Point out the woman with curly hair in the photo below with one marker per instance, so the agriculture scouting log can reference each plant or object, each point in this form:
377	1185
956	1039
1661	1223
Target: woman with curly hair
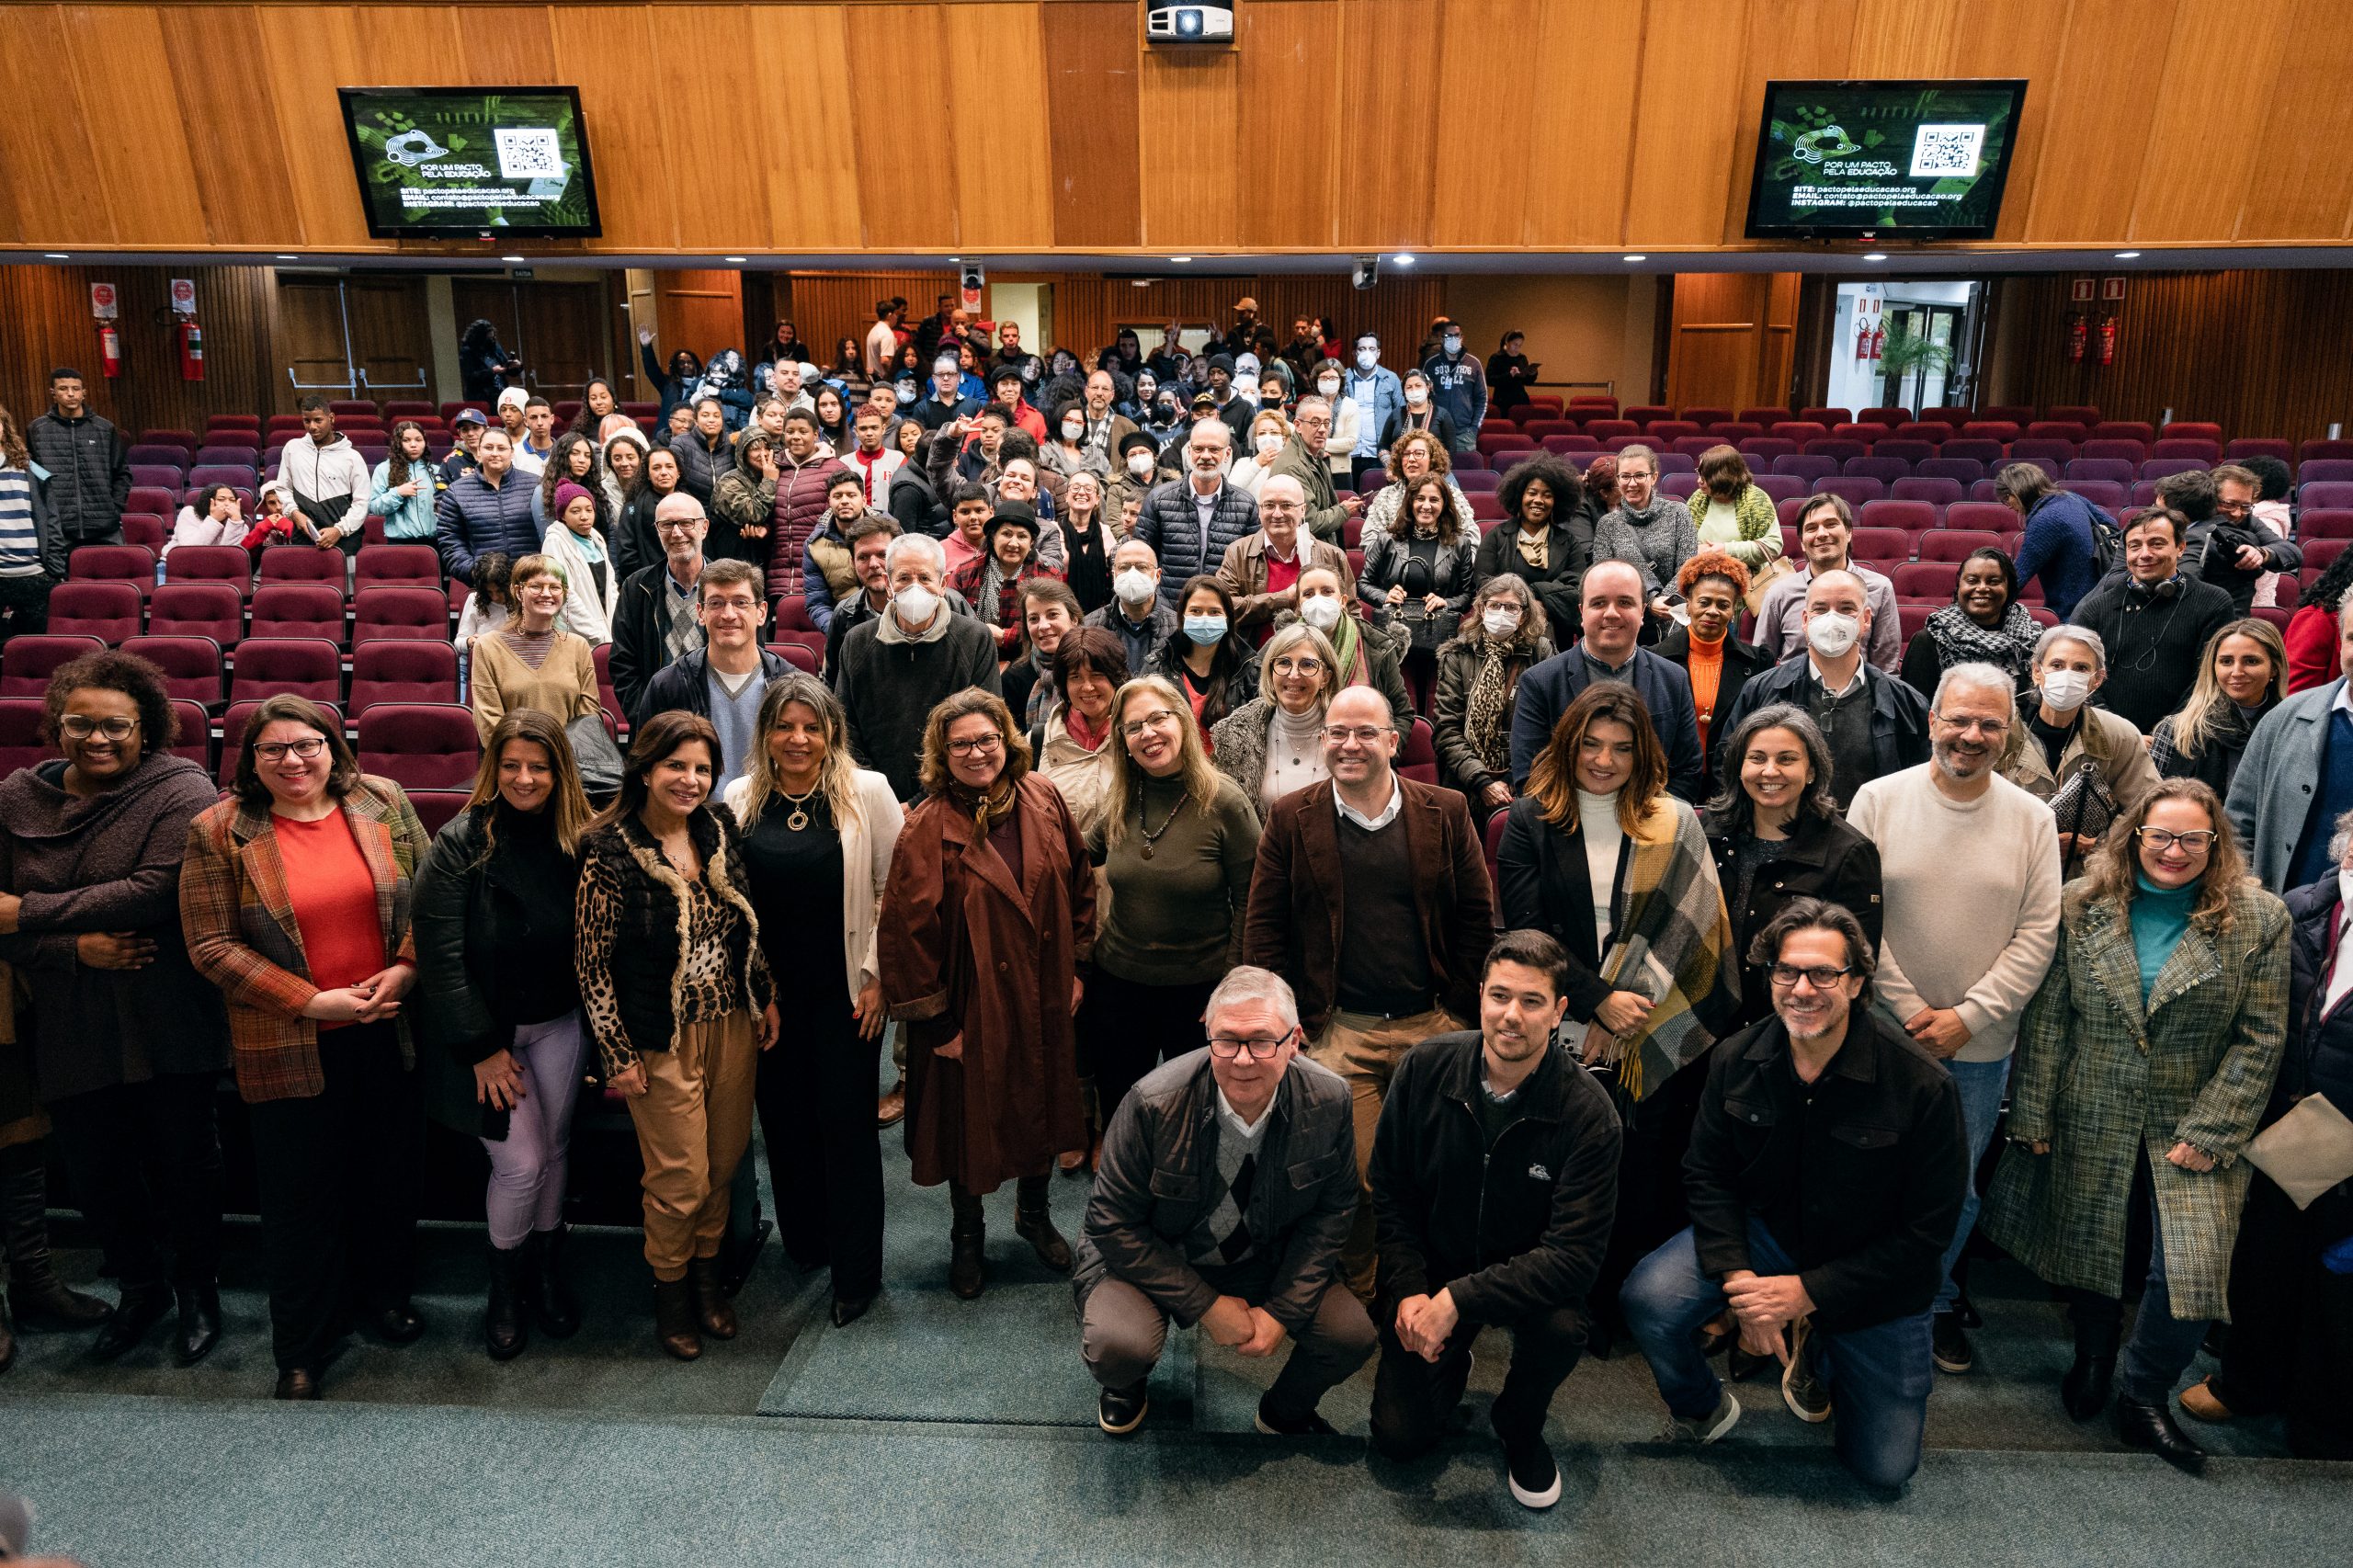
1546	538
1712	586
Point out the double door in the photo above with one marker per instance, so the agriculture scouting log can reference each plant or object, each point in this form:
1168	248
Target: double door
558	330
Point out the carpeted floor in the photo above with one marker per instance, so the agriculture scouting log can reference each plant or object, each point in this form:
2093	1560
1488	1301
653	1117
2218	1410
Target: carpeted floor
936	1428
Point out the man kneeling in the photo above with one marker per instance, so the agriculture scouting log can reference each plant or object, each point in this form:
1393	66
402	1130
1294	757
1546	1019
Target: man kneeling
1227	1179
1826	1175
1494	1176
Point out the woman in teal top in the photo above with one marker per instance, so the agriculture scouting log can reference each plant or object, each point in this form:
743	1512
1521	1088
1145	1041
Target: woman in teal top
2145	1062
404	487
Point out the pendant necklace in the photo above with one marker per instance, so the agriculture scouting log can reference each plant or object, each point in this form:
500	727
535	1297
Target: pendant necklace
1150	836
800	818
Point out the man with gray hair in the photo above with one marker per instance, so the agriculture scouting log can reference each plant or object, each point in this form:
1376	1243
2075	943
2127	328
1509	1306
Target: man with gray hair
1262	570
2070	754
1226	1182
2296	777
1190	522
900	665
1969	867
1303	458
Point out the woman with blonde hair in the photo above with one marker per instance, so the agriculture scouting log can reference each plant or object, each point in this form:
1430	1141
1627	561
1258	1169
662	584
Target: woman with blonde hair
1273	744
987	914
500	1004
1177	843
818	831
1269	432
2144	1063
2242	676
531	662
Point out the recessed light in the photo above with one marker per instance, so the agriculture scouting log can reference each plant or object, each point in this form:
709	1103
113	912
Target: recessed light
1637	258
1403	258
733	258
2126	254
1141	283
283	256
1876	256
56	255
1180	260
956	258
510	258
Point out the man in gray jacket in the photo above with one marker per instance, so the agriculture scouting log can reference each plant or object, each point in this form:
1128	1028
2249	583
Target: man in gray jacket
2296	778
1184	1225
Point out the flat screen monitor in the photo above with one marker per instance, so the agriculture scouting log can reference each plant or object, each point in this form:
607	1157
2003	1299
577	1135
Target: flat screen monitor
1884	160
440	163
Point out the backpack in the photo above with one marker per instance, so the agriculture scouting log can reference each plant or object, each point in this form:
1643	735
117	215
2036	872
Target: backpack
2108	543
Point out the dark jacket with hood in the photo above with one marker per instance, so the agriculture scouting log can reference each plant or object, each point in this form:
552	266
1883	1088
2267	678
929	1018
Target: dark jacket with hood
89	474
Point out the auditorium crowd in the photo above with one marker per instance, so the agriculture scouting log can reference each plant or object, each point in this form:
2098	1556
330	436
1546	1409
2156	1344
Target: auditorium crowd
1602	923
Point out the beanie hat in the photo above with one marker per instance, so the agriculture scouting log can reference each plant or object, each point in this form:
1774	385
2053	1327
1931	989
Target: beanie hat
566	493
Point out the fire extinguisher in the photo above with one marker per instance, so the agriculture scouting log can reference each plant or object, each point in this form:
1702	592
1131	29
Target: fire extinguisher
2077	334
1862	338
2107	341
109	350
1879	339
191	351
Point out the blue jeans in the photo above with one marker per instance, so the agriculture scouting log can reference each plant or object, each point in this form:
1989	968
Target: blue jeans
1879	1377
2162	1345
1980	1084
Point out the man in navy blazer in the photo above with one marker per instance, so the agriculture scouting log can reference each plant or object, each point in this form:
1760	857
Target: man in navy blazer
1613	613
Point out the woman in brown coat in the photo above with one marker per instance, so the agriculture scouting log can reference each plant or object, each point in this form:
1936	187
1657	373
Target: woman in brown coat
989	908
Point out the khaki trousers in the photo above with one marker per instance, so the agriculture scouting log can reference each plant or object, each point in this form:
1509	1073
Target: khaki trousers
693	1123
1365	1048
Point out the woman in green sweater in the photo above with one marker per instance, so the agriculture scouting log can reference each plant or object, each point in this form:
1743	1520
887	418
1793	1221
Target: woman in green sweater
1177	842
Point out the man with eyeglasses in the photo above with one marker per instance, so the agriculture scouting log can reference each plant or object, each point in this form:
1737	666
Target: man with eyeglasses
1370	896
1826	1167
653	615
1226	1181
1497	1217
1302	459
1262	570
1969	867
725	679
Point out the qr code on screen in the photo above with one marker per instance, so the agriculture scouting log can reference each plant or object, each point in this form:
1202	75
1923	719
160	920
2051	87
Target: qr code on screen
529	154
1941	150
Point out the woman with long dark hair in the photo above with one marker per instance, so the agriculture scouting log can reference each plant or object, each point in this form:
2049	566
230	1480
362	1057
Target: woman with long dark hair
500	1002
679	1001
484	367
404	486
572	460
599	403
1210	663
636	542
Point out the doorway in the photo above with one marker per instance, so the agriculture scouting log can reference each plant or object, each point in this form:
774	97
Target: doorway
1948	317
556	329
354	336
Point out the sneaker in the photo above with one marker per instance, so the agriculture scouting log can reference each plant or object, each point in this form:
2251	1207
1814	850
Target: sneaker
1308	1425
1801	1387
1949	1343
1527	1465
1121	1411
1703	1429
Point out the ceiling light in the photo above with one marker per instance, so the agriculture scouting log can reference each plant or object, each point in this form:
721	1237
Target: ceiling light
56	255
1876	256
1180	260
1141	283
2126	254
1403	258
283	256
956	258
1637	258
733	258
510	258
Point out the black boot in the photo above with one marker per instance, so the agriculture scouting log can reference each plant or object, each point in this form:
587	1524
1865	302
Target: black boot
40	1298
674	1318
712	1309
141	1308
1034	1225
2099	1330
503	1333
199	1321
967	1244
553	1307
2147	1424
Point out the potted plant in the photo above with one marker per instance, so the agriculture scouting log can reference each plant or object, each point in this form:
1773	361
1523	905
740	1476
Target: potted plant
1906	354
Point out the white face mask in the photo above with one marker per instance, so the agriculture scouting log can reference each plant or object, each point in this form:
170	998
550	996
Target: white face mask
1453	344
1134	586
1073	428
1140	462
1322	612
2063	691
916	604
1367	358
1328	385
1415	397
1268	443
1501	620
1832	635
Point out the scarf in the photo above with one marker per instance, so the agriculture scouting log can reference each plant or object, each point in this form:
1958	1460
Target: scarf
890	632
987	810
1076	726
1673	946
986	603
1349	649
1482	716
1960	640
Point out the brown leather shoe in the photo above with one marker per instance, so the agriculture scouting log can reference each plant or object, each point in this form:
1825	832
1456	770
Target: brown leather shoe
892	1109
673	1319
712	1309
2199	1400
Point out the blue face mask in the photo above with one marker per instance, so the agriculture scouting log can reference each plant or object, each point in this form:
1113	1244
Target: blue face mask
1205	630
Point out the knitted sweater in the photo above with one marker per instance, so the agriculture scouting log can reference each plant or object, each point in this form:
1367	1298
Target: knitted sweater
1176	919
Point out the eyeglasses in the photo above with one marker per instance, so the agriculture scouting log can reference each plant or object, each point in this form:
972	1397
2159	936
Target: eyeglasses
274	751
1987	726
1822	977
80	727
1157	719
1227	1048
1363	734
1299	666
979	745
677	526
2196	841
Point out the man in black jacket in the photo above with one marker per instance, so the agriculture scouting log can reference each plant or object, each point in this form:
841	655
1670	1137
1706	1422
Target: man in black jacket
1226	1181
88	464
1494	1175
1826	1174
2154	618
655	619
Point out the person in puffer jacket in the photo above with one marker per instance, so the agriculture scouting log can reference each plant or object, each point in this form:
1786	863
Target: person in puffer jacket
88	462
803	478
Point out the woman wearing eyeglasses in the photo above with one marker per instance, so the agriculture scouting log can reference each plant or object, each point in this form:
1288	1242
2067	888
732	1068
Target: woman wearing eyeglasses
295	896
989	909
125	1040
1177	842
2144	1066
1273	744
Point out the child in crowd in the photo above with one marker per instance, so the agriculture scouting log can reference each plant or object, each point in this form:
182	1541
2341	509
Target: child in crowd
488	607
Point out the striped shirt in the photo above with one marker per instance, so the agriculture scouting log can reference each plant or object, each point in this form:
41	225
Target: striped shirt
19	539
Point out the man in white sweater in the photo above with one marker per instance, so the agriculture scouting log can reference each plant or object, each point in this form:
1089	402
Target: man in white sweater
1970	867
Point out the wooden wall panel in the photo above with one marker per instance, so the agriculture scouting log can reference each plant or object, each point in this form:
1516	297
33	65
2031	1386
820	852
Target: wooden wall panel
813	186
1382	197
47	310
908	189
1189	104
139	143
1788	39
43	128
321	42
702	60
1580	188
2191	178
236	154
1683	128
1732	337
2303	187
1289	187
2097	114
2025	40
1488	42
824	306
1093	99
603	50
997	96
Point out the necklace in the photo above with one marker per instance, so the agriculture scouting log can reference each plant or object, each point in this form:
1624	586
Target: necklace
800	817
1150	835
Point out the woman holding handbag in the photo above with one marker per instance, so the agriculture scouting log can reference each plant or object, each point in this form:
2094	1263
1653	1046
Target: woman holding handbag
2086	762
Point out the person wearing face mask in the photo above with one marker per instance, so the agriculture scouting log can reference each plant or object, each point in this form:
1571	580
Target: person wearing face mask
1458	386
1210	663
1191	525
1478	683
1326	380
1137	614
894	668
1137	467
1875	725
1418	410
1380	398
1826	533
2242	678
1268	432
1262	570
1368	654
2064	737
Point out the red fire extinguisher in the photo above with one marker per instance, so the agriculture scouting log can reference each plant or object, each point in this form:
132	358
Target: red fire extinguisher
2077	334
1862	338
2107	341
109	350
1879	339
191	351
